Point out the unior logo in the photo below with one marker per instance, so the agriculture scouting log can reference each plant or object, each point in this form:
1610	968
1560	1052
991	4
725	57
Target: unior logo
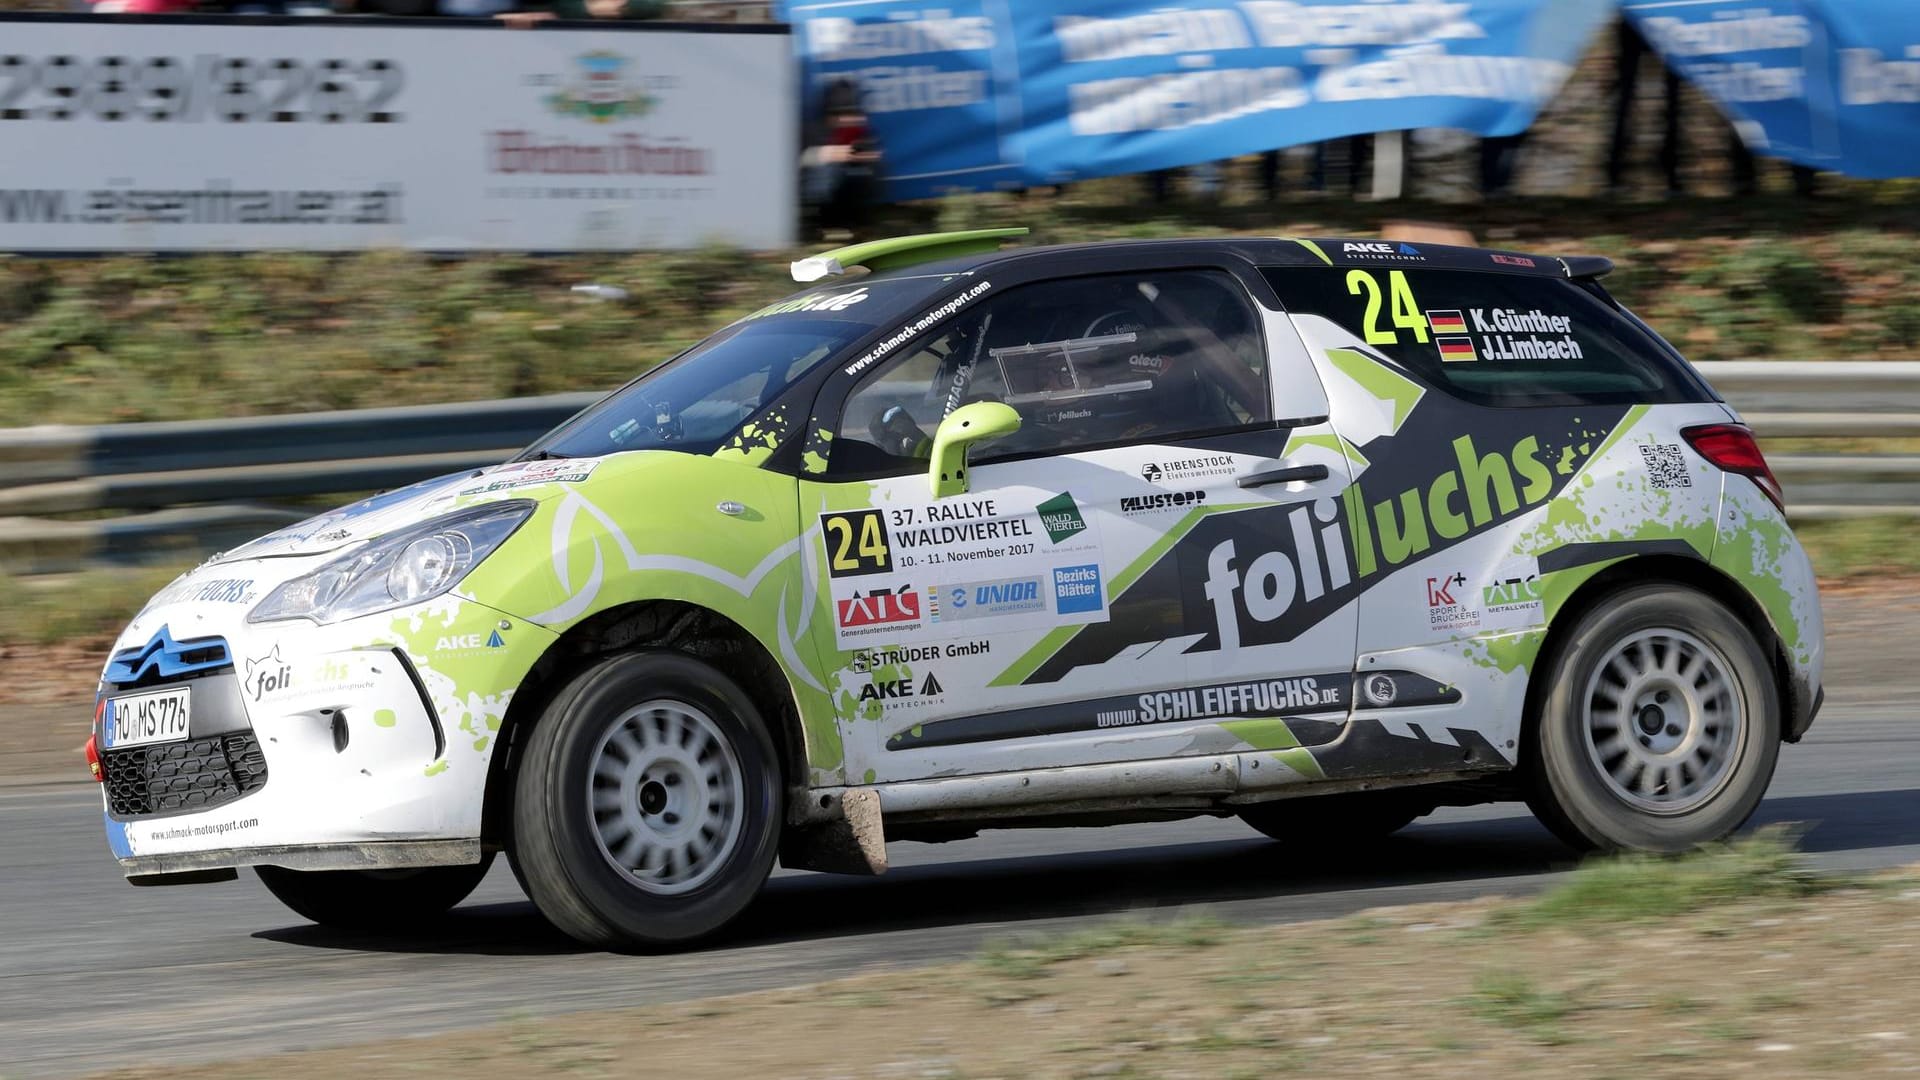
983	599
601	90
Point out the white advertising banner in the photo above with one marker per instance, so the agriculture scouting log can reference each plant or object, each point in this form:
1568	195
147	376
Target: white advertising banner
196	134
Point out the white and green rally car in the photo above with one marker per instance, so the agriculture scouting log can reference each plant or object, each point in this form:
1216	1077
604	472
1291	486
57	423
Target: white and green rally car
1322	534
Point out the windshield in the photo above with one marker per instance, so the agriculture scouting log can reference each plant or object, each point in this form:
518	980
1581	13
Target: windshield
693	402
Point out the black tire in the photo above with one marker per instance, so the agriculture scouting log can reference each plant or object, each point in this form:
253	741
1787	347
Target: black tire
373	900
557	845
1568	786
1336	821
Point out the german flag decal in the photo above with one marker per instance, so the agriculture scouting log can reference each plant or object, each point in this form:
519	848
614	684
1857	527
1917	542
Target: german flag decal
1456	348
1447	322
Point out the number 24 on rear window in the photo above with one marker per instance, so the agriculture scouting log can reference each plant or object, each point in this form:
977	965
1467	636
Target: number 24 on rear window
1405	311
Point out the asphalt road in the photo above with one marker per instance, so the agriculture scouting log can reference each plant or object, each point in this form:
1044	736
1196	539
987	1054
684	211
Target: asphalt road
95	974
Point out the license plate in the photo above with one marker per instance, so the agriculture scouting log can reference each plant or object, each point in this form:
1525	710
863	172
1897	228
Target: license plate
158	717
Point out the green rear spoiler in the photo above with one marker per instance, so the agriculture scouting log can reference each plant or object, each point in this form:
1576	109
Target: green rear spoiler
877	255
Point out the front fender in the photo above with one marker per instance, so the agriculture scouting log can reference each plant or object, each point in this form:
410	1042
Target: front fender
650	526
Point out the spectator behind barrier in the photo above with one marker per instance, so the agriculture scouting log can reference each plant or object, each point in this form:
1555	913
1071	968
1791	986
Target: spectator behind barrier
840	168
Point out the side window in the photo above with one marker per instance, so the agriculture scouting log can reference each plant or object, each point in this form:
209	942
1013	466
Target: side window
1498	339
1085	361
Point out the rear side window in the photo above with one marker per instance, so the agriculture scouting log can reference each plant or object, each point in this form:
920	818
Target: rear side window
1497	339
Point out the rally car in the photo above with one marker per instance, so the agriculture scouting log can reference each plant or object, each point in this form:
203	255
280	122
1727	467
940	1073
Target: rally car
1320	533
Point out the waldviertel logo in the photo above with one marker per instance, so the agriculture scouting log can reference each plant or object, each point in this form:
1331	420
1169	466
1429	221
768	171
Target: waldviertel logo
1060	516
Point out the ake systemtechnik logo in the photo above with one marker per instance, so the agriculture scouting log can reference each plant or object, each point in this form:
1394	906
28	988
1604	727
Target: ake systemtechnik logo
601	91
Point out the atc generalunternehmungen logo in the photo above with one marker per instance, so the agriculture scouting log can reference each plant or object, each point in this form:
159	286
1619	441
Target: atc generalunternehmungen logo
601	90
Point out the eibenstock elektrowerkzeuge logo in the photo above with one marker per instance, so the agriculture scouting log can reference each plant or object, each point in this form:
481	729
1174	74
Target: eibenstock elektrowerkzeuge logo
602	90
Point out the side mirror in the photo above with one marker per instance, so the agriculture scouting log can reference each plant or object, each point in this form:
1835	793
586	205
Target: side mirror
964	426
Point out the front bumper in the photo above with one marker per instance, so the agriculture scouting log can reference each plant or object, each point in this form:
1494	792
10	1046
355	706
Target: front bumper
364	744
193	867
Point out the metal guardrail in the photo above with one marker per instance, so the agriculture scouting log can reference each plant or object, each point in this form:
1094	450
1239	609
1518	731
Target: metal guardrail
204	485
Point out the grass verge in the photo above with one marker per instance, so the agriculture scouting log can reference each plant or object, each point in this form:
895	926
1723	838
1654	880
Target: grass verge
1874	547
88	608
1641	888
1767	979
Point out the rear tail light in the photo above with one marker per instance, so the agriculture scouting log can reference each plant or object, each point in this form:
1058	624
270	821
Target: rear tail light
1731	447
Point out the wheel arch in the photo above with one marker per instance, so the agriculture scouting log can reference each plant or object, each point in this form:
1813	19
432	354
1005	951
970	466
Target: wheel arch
684	627
1679	570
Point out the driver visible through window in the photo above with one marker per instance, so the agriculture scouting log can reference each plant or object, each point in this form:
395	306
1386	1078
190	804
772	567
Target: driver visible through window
1086	361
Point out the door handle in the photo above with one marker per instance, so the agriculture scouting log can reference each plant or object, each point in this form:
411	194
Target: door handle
1286	474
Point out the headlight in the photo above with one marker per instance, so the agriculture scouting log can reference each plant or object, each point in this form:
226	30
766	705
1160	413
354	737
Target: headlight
410	566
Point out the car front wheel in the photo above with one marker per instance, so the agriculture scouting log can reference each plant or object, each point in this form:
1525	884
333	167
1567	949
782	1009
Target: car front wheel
647	804
1660	728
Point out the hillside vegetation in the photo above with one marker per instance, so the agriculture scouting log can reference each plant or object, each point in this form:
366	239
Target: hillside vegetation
145	338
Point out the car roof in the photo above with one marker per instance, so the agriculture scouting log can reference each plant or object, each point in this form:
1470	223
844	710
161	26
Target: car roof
1357	251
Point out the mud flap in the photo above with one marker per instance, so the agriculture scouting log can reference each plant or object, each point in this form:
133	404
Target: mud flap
855	842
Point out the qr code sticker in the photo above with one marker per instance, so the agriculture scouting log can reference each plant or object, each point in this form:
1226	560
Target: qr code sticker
1665	467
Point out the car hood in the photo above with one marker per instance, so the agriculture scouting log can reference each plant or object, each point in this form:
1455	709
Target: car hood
375	517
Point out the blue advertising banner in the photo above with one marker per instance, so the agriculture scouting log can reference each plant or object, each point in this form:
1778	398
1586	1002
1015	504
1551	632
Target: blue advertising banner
1834	84
980	94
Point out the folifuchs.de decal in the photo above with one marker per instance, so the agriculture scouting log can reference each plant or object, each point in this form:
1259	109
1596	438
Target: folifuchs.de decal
1263	576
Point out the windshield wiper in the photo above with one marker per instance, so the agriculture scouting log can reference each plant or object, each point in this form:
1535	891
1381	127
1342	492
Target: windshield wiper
545	455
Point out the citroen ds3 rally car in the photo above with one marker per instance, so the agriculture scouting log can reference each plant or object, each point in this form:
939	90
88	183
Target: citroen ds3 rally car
1322	534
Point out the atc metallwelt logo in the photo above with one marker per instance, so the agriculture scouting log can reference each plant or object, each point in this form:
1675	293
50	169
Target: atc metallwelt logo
1060	516
601	91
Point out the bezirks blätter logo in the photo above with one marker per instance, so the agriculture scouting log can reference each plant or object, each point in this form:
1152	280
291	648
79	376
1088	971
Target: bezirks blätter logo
601	91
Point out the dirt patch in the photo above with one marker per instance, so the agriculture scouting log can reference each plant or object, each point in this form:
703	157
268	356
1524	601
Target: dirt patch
46	709
52	674
1789	988
1873	640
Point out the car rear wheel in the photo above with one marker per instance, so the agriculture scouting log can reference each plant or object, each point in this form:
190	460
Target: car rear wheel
647	805
1326	821
1661	726
373	900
